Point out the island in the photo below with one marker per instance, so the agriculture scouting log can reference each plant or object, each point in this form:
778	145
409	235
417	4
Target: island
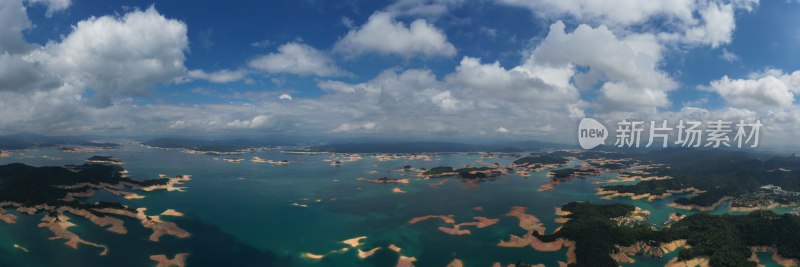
212	147
610	234
713	177
61	192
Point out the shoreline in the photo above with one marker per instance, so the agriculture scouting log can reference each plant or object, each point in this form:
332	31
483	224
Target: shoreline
701	208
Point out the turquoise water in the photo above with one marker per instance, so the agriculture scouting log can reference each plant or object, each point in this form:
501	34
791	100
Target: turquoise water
243	214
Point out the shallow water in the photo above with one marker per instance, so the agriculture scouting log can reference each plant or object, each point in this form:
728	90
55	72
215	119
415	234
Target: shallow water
243	214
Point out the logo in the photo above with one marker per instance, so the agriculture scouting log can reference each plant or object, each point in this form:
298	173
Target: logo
591	133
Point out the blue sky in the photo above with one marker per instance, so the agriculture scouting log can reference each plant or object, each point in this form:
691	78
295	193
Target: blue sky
419	68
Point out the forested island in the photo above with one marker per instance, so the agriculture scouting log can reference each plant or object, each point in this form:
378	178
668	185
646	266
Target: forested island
713	175
58	191
726	240
212	147
29	141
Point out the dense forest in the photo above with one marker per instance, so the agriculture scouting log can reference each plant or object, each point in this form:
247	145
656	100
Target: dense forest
719	173
724	239
31	185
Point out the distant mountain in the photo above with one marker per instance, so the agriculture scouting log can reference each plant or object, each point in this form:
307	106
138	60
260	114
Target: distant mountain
428	147
221	145
28	140
791	162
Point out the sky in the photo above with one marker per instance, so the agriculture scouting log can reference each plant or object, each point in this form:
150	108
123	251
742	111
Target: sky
415	69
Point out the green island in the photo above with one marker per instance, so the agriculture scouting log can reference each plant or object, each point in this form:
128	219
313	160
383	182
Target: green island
726	240
713	176
57	191
212	147
463	173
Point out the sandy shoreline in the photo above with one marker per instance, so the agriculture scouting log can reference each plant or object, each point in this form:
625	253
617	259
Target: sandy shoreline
59	226
532	224
445	219
162	261
694	262
780	260
610	194
701	208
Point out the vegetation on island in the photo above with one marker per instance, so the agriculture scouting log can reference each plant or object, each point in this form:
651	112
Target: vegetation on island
464	173
595	234
570	173
103	159
210	146
718	173
790	162
550	158
724	239
31	185
431	147
27	141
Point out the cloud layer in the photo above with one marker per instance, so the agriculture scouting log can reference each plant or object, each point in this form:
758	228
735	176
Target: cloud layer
607	65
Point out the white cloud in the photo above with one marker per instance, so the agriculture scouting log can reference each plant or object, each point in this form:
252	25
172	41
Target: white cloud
616	12
490	32
384	35
616	66
14	20
717	27
528	83
52	5
620	96
422	8
254	123
728	56
125	55
767	91
347	22
297	58
17	74
708	22
220	76
626	67
262	44
446	101
355	127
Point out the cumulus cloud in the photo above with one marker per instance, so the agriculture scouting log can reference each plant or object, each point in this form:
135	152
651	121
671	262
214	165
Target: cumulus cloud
607	72
113	55
383	34
542	85
708	22
717	26
14	20
299	59
125	55
17	74
625	12
766	91
625	67
220	76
